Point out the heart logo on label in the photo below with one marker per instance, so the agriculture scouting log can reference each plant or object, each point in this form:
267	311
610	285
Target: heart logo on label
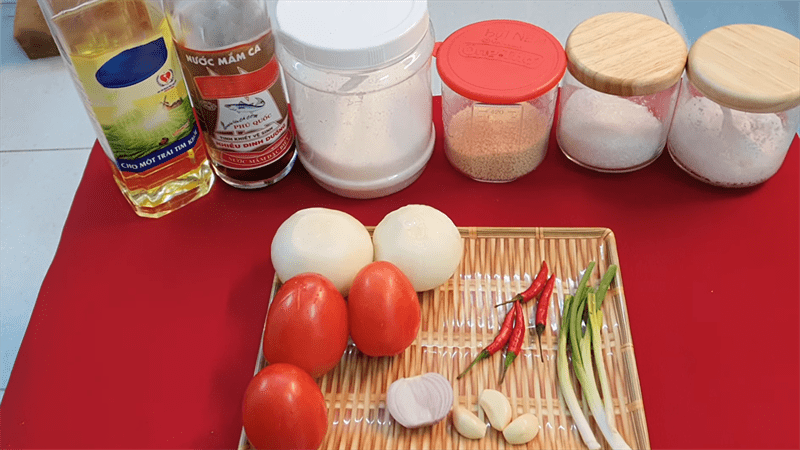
165	78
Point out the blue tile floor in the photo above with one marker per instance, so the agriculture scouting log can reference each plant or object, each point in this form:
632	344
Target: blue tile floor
46	137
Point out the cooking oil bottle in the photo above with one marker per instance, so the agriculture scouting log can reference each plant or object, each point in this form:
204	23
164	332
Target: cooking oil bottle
122	58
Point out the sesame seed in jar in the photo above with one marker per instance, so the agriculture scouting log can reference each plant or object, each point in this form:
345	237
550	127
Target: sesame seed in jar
498	143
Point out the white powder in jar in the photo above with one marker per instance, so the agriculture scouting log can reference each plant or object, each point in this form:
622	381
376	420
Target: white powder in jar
497	143
727	147
607	132
366	139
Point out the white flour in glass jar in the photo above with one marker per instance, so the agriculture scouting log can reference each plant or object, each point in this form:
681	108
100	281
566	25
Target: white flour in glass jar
608	132
725	146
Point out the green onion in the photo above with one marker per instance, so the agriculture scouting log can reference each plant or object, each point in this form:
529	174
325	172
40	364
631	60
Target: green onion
581	344
565	382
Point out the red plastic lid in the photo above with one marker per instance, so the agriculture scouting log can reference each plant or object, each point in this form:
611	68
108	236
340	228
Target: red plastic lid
501	61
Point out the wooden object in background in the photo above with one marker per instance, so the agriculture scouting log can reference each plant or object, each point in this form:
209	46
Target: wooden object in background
31	31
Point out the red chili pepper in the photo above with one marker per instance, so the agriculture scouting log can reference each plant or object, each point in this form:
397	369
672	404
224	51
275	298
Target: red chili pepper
541	311
499	341
515	341
533	290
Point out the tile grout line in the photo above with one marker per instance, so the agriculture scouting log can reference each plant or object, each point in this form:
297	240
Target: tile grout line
37	150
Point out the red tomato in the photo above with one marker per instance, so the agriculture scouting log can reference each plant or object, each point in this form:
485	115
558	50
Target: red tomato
383	309
307	325
283	408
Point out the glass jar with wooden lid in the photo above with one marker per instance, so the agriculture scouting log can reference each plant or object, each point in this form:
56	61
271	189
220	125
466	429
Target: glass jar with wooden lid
619	93
739	106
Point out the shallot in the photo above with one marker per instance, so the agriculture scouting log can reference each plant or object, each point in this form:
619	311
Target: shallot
419	401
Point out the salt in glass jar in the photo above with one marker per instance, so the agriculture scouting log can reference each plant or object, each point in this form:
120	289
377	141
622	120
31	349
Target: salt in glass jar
500	83
620	90
359	84
739	106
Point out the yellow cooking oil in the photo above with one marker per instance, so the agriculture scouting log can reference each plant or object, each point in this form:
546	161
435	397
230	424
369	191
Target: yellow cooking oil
123	58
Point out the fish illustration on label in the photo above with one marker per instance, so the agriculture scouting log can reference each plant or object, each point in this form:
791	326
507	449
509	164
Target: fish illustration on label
242	106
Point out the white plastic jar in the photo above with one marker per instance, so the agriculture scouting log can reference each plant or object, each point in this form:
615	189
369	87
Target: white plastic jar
619	94
358	79
739	106
499	88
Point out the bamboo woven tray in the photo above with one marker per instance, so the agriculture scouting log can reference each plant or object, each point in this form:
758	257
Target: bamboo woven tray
459	319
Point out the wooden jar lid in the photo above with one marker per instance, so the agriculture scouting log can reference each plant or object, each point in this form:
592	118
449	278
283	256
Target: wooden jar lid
751	68
626	54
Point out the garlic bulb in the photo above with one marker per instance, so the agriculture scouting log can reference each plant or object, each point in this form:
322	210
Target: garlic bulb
419	401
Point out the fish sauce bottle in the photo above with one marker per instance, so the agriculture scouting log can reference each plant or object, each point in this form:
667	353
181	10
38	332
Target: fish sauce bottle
227	51
122	59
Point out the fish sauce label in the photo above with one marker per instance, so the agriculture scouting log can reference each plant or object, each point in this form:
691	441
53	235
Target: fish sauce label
240	102
141	102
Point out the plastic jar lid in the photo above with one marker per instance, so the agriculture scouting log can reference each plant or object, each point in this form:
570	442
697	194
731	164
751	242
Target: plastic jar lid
501	61
751	68
351	35
626	54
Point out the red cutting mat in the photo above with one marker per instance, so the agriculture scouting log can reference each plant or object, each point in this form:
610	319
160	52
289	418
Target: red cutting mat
145	331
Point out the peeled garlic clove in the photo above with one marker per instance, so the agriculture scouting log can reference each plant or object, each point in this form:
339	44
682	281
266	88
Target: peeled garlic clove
496	407
522	430
419	401
467	424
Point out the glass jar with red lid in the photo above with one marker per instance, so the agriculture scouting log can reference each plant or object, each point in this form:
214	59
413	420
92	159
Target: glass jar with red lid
500	83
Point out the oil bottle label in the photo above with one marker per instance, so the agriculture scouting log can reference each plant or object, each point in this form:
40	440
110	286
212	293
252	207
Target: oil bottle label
141	102
240	102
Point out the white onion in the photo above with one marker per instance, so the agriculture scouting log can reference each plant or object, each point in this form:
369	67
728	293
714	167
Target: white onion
422	242
331	243
419	401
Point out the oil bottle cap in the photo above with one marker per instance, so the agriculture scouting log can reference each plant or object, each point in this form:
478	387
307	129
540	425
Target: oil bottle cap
501	61
751	68
625	53
351	35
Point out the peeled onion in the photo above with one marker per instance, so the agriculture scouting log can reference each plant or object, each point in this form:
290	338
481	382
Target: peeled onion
422	242
419	401
331	243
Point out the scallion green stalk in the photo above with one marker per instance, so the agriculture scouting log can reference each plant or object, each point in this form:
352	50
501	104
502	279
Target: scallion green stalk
595	325
608	277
